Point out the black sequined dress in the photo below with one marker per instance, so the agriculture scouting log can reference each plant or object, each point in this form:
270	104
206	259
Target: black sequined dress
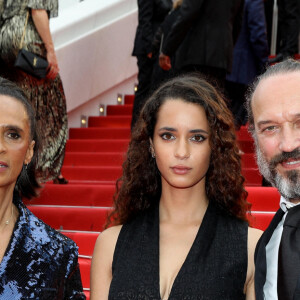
39	263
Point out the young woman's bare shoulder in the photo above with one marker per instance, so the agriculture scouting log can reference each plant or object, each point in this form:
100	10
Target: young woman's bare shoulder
254	235
107	240
101	268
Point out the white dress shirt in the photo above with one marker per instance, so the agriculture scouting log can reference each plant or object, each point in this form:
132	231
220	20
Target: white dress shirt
272	249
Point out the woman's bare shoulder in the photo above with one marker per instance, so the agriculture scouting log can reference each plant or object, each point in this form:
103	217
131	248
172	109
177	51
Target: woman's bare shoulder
254	235
101	268
108	238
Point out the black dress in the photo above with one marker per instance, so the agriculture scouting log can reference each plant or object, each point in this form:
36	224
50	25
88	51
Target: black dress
215	268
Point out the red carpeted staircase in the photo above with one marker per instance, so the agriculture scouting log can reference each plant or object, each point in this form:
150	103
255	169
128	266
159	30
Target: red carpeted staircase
93	162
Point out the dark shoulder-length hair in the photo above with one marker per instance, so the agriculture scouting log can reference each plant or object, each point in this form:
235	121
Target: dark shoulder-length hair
27	183
140	185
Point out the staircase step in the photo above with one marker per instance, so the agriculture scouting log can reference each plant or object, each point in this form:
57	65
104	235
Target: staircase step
99	133
93	159
72	217
110	121
252	177
92	173
122	110
85	240
263	198
128	99
75	195
100	145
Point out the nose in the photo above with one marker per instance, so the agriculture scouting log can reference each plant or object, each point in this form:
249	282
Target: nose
290	139
182	150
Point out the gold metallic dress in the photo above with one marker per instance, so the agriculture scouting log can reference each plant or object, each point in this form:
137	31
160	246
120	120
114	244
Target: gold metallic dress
46	95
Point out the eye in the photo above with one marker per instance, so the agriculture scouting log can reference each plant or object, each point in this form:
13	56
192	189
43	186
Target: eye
167	136
198	138
269	129
13	135
297	123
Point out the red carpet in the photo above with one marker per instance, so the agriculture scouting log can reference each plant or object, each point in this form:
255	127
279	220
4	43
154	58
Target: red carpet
93	161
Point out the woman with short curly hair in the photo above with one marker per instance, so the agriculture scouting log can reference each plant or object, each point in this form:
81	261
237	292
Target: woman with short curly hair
180	206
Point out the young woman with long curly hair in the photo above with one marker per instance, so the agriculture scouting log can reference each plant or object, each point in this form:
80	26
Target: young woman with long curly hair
180	229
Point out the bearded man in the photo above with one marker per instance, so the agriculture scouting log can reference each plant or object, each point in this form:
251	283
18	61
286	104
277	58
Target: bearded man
274	120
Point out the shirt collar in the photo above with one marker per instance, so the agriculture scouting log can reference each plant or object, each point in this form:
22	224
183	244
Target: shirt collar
286	204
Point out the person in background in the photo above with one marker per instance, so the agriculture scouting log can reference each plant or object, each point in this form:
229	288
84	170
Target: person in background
273	106
159	75
288	28
36	262
180	209
202	37
46	95
150	15
250	56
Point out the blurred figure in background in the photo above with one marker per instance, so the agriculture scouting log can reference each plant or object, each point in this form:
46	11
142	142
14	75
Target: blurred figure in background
203	36
47	94
288	27
150	15
159	75
250	56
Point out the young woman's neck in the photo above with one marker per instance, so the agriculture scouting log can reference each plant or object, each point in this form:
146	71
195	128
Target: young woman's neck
183	205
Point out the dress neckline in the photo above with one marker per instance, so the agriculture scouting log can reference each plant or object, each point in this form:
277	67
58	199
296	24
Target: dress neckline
200	236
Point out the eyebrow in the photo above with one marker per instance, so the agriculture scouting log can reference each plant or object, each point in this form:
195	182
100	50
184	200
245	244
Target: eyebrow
191	131
266	122
12	127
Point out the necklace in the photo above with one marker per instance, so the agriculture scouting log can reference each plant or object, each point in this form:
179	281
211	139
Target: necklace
8	221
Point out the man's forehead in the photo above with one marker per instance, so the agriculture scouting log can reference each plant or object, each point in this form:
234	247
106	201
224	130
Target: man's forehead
280	90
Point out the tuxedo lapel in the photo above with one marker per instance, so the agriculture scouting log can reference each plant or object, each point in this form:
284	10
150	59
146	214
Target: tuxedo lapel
260	255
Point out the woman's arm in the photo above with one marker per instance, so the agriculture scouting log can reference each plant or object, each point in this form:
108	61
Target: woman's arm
41	22
253	237
101	269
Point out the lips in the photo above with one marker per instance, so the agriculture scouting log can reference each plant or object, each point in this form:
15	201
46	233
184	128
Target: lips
180	170
3	164
291	163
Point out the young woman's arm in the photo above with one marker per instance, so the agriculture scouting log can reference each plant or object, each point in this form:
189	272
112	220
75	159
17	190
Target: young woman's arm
101	269
41	22
253	237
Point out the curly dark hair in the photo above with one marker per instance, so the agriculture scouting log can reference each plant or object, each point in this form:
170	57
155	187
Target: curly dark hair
27	183
139	188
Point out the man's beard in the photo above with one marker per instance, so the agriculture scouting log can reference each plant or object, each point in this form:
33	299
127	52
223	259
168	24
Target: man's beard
289	184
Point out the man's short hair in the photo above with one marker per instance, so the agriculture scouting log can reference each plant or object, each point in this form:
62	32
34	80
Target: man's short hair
287	66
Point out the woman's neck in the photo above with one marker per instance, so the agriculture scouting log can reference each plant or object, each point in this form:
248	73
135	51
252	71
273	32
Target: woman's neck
6	206
183	205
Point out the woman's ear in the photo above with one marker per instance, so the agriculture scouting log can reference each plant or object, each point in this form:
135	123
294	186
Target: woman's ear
29	153
151	148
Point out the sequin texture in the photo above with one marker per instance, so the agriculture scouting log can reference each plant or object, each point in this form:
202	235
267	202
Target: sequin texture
39	263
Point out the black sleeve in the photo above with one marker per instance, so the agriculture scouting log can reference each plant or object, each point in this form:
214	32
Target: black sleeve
238	20
145	13
188	12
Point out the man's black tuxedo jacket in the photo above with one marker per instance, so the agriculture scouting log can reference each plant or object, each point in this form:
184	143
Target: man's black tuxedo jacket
260	259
